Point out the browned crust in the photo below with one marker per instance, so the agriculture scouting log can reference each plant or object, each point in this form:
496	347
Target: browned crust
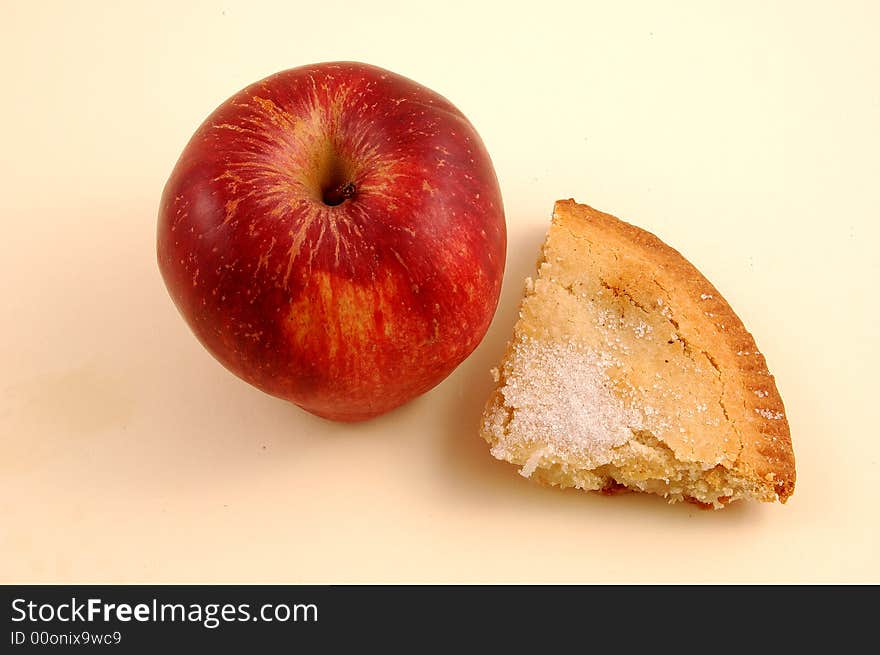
766	456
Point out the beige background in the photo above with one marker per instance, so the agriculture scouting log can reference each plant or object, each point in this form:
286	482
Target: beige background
746	136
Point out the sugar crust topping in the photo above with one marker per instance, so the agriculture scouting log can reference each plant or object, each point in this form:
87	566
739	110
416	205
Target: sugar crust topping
564	405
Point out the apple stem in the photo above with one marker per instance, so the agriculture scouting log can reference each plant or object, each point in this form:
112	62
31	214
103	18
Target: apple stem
340	194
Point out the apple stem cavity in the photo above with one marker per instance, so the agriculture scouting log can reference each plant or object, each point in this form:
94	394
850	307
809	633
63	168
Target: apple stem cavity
338	195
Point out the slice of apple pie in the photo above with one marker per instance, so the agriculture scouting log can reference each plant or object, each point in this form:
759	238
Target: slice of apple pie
628	370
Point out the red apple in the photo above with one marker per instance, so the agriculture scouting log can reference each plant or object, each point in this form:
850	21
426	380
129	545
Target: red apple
334	235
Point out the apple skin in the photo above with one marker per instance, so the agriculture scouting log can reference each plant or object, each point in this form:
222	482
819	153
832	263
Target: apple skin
347	309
